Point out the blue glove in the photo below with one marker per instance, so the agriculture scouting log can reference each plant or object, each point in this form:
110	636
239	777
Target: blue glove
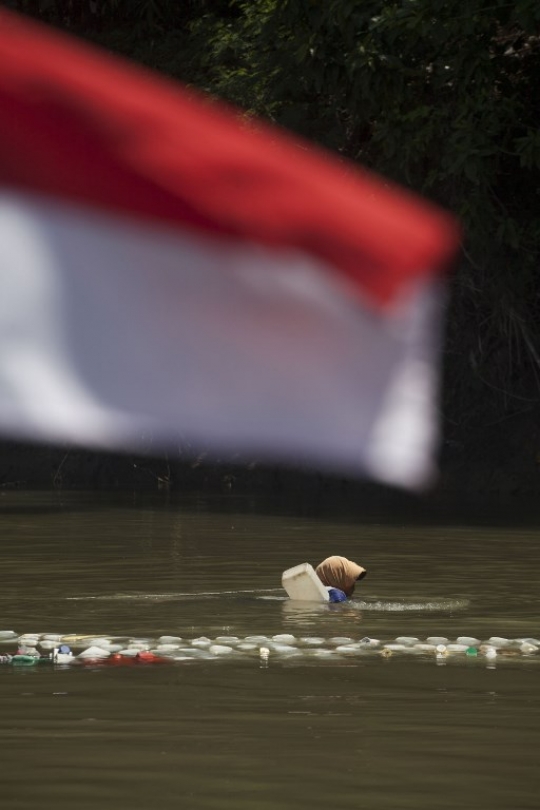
336	595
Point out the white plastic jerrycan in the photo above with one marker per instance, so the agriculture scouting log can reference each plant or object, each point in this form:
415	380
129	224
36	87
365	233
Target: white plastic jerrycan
302	583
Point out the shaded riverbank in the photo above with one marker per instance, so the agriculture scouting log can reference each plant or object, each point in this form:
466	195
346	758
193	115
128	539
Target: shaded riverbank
501	460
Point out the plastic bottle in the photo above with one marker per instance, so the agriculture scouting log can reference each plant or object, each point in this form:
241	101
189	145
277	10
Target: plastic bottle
62	655
145	657
24	660
119	660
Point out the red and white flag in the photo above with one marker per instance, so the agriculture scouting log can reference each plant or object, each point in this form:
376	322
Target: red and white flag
169	269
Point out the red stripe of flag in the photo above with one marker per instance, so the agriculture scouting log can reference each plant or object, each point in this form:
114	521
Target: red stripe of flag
81	125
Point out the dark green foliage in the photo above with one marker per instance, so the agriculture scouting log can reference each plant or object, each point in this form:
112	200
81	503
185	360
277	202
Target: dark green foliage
441	97
437	94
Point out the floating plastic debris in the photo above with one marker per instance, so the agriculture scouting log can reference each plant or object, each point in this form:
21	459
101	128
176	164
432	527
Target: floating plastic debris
283	649
143	644
395	647
322	653
62	654
369	642
457	648
24	660
94	652
470	641
220	649
29	639
48	644
497	641
30	649
147	657
202	642
26	649
348	649
312	641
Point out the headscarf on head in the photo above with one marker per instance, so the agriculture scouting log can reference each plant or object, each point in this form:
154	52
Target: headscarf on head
339	572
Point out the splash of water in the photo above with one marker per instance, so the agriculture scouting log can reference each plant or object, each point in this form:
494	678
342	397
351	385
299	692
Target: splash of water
276	595
401	606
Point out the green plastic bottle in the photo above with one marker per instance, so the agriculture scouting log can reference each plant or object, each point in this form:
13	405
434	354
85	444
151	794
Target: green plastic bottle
24	660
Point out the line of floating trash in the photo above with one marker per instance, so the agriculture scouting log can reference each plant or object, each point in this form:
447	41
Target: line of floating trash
30	649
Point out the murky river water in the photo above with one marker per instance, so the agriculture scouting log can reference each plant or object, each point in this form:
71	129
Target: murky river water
302	731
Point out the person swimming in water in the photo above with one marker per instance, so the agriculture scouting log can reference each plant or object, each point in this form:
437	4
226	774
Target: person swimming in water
339	575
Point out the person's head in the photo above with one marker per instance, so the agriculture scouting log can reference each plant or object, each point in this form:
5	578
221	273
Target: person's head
339	572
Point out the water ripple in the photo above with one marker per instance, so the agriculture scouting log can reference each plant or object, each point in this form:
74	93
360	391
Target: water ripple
398	607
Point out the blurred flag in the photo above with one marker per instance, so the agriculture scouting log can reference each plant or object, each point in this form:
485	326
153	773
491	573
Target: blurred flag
170	269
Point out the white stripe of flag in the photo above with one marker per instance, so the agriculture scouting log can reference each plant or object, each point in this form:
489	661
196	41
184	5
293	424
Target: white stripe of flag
237	293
